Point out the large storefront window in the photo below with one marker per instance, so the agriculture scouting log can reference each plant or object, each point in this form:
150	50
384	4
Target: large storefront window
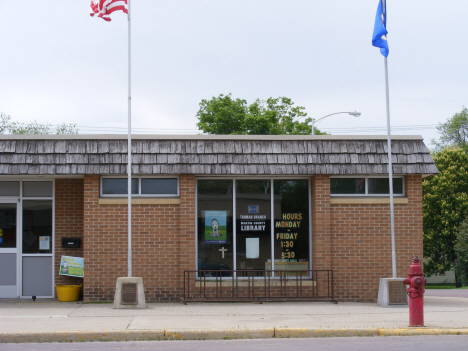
291	235
253	241
253	223
215	235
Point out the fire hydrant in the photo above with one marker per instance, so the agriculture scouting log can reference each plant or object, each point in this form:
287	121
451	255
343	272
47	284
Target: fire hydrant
415	292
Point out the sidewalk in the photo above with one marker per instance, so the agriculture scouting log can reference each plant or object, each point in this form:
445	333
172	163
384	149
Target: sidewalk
48	320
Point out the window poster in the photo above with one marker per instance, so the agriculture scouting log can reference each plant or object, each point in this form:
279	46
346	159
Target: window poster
215	227
252	246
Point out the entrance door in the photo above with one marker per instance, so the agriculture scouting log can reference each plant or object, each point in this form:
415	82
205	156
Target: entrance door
9	257
37	248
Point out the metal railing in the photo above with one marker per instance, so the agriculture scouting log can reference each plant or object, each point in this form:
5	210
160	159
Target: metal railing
257	285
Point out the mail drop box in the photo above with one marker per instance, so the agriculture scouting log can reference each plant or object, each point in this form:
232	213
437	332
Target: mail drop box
71	242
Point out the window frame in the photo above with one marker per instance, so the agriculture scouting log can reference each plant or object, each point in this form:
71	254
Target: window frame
139	195
366	193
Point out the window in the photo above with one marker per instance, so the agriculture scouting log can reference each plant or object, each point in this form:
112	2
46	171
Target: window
291	236
9	188
354	186
37	189
247	224
37	215
117	187
37	226
7	225
372	186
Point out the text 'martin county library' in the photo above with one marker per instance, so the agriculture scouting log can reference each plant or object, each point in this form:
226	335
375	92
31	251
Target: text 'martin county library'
207	202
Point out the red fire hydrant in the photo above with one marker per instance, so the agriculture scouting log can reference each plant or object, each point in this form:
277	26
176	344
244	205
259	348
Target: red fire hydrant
415	292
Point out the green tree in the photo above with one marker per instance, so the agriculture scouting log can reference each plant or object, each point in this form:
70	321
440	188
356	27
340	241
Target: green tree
454	132
275	116
461	249
222	115
445	206
9	127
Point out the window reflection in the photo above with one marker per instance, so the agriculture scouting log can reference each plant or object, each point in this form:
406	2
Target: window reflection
7	226
37	226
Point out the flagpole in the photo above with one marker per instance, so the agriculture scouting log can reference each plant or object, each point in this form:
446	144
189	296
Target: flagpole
129	147
390	172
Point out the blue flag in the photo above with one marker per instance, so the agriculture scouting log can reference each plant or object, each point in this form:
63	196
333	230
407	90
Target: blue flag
379	37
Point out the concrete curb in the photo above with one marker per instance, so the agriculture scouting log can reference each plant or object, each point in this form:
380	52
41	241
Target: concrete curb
422	331
220	334
83	336
314	333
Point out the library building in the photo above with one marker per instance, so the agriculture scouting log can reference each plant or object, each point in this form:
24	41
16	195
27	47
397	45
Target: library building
213	216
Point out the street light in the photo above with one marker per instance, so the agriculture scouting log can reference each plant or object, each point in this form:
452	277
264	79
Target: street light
354	114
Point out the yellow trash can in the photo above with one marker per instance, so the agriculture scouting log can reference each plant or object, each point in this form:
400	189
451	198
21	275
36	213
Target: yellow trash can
66	293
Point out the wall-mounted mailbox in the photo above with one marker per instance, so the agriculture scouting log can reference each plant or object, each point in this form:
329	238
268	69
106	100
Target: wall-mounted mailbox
71	242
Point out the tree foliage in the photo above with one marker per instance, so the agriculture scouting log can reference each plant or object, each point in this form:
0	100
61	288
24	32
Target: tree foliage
461	249
454	132
445	206
275	116
9	127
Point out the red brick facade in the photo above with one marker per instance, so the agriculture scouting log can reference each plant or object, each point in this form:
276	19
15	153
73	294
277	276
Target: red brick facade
356	238
160	243
352	238
68	223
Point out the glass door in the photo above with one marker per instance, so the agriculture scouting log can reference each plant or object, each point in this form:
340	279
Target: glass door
9	264
37	244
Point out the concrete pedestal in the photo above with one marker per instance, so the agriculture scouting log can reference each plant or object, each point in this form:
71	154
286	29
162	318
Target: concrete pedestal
131	298
385	300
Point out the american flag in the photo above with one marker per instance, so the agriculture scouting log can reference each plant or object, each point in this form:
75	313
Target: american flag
103	8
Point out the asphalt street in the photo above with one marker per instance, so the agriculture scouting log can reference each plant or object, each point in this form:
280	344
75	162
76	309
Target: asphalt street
426	343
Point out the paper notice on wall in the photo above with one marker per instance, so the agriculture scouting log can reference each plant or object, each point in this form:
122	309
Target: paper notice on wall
44	243
252	247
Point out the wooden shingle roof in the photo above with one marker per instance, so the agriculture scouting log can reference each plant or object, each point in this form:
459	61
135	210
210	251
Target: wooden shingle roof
212	155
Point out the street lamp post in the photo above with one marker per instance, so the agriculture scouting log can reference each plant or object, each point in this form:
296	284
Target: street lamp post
355	114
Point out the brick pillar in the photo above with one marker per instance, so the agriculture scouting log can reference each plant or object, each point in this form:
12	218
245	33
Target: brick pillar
187	226
68	223
409	225
321	223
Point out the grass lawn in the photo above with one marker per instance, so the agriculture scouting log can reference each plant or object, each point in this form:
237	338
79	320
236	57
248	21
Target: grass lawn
443	286
440	286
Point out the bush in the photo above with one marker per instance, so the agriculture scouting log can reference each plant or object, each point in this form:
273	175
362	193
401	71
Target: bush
461	249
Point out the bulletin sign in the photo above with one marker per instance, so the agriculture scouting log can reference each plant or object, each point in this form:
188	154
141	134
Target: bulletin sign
72	266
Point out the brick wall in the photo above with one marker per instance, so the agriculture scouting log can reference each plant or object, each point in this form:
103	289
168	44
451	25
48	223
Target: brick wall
163	243
68	223
352	239
360	237
321	223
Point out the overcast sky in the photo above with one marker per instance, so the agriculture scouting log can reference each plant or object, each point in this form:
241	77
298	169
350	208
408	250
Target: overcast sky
58	64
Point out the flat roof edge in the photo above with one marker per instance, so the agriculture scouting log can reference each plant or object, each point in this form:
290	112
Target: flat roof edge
206	137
